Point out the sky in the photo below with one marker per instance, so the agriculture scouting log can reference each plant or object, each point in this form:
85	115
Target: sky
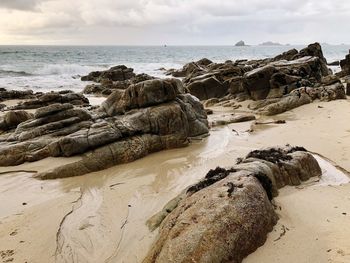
173	22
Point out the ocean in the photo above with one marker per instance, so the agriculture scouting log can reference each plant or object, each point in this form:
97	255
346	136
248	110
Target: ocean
45	68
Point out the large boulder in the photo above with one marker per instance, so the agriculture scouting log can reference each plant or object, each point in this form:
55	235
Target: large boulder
143	94
15	94
229	214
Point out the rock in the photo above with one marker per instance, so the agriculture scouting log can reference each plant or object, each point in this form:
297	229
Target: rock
143	94
240	44
15	94
206	88
330	79
204	62
53	98
347	89
215	220
257	82
314	50
117	73
288	55
149	116
12	118
232	119
281	77
300	97
106	87
345	65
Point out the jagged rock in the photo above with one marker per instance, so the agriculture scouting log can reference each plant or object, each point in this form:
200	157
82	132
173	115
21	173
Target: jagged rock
51	98
288	55
215	220
117	73
204	62
106	87
206	88
143	94
12	118
146	117
288	75
314	50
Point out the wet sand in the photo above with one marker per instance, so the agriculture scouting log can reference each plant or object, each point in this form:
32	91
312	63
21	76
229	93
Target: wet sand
100	217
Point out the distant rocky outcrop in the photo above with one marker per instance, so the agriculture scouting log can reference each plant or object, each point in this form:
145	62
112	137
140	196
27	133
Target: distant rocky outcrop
270	43
146	117
240	44
228	215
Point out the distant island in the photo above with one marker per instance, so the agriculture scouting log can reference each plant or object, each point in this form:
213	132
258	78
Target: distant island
270	43
240	44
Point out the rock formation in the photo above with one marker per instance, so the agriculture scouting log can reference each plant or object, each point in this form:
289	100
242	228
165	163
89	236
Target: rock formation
146	117
228	214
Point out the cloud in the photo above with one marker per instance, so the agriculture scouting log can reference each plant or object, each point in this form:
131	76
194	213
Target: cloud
175	21
20	4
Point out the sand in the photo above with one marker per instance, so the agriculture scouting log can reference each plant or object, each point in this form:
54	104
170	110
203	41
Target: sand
100	217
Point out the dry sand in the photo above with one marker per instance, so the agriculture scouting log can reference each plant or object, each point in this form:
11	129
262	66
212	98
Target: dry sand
100	217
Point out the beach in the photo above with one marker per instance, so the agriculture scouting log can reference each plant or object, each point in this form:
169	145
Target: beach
101	216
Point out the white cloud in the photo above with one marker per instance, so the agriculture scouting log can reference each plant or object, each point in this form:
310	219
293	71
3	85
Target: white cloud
173	21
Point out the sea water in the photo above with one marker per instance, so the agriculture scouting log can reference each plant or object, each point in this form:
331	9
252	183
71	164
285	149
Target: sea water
45	68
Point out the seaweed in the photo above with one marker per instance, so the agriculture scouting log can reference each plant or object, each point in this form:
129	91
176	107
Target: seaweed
213	176
271	155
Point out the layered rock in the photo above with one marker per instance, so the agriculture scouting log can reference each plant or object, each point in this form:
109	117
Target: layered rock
146	117
300	97
228	214
46	99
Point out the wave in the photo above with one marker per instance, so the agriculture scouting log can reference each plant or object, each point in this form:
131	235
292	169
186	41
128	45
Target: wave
13	73
65	69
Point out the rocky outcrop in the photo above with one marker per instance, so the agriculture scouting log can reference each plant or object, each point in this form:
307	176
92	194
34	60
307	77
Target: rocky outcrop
146	117
228	214
49	98
300	97
117	73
